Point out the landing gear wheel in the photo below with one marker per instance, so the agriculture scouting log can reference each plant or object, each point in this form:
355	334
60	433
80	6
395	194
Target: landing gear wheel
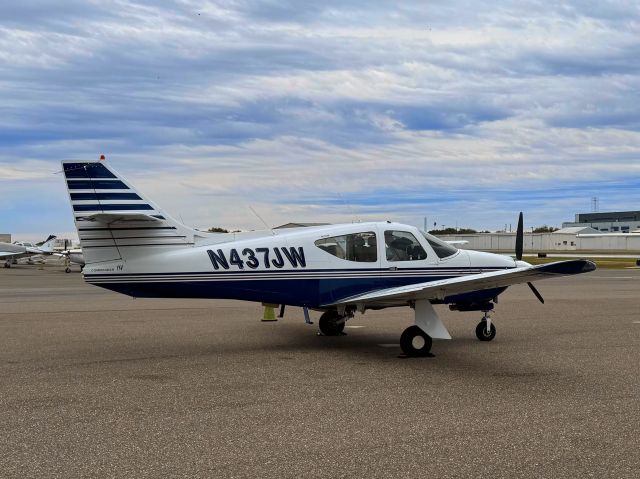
331	324
415	342
67	270
481	331
7	264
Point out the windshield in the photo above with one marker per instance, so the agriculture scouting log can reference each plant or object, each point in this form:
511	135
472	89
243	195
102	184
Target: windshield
441	248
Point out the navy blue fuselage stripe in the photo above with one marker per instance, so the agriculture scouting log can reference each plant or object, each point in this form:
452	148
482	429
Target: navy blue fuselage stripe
86	170
96	185
294	292
104	196
99	207
382	271
435	269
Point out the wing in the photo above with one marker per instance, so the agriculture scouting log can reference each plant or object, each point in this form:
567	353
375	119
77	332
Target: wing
474	282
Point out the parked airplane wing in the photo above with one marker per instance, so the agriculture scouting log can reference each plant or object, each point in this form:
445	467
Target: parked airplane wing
474	282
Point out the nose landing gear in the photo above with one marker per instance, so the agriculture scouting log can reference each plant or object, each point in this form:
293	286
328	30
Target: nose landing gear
485	330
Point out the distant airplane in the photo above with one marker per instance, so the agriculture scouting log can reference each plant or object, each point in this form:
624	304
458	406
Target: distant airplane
11	252
71	256
133	247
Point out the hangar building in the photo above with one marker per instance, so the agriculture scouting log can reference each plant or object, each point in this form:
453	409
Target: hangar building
611	222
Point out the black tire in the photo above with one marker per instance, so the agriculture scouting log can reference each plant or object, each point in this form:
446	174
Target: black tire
331	324
7	265
481	331
67	270
415	343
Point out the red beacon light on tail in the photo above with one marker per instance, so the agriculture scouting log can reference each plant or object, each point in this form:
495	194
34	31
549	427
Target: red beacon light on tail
102	158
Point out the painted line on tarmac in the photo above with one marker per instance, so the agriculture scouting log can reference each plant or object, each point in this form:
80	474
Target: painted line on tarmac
389	345
354	327
612	277
636	322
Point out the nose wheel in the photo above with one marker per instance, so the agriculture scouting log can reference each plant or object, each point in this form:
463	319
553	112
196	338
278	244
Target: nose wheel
485	330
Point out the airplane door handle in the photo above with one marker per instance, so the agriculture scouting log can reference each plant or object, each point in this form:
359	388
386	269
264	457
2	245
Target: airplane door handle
393	268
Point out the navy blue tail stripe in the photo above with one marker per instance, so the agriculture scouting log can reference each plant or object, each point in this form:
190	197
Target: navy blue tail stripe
86	170
105	196
98	207
130	229
96	185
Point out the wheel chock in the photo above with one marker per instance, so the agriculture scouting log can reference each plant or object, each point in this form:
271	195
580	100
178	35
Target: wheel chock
269	312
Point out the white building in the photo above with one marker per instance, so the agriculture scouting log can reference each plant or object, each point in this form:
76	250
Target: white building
580	238
608	222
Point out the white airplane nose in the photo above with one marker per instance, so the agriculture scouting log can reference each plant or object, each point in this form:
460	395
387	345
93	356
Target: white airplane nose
489	260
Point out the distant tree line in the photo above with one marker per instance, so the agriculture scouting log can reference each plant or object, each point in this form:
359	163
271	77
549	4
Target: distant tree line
545	229
469	231
453	231
217	229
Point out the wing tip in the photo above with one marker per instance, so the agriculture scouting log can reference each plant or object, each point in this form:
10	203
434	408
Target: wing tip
573	266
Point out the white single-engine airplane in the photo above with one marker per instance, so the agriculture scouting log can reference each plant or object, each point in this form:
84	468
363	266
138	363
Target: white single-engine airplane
133	247
11	252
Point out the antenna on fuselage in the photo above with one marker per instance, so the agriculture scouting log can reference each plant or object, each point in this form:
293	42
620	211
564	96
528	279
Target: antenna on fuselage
263	221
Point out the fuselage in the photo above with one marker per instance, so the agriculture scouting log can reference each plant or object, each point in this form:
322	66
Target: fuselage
309	267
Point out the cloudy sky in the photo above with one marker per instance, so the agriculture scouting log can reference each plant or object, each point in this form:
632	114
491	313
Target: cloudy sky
462	111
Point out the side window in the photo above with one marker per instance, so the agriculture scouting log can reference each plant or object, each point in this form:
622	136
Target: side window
360	247
402	246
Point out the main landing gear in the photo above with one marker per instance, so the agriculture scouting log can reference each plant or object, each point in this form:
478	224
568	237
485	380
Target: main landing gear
416	340
331	323
415	343
7	264
485	330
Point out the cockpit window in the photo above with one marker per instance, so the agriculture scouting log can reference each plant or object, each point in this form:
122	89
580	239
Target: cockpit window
360	247
441	248
403	246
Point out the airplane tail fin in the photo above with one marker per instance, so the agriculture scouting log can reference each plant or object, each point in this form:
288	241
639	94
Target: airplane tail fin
47	246
116	222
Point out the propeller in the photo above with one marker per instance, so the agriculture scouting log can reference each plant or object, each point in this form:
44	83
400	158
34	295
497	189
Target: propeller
519	237
519	248
536	292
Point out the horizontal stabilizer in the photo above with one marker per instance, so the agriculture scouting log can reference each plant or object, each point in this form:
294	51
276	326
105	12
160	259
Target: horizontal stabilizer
109	218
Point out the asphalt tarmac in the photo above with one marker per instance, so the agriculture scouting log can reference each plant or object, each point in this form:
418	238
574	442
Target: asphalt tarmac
95	384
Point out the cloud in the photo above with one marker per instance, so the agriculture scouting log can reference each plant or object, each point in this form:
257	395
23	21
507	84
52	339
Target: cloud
326	110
